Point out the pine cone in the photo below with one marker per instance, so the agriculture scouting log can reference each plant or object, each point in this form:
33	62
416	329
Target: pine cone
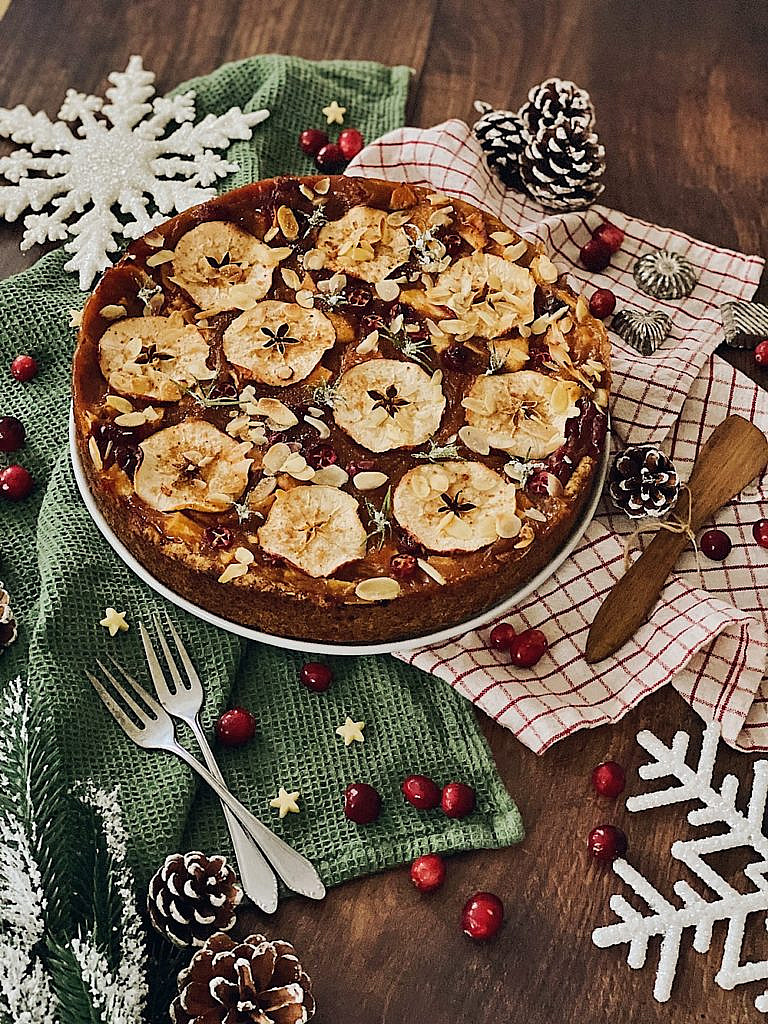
643	482
192	896
8	628
554	101
251	982
562	165
500	134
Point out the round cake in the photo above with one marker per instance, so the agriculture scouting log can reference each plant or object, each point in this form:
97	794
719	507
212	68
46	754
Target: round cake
340	409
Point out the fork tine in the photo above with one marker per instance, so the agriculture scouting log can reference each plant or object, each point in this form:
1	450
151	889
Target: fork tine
158	677
151	710
172	666
129	728
186	661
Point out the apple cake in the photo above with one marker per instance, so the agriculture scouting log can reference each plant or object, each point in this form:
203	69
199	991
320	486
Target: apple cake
339	409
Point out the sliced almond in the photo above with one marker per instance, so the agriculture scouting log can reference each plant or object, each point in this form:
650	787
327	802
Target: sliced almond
304	298
582	309
271	233
546	269
322	186
330	476
243	556
508	525
158	258
154	239
476	440
431	571
275	456
526	537
131	419
368	344
514	252
378	588
504	237
535	514
287	222
276	412
321	427
314	259
306	192
232	572
291	278
95	454
112	311
387	290
118	403
369	481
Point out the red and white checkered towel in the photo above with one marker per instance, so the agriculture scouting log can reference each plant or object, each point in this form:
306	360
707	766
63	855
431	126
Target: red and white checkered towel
710	644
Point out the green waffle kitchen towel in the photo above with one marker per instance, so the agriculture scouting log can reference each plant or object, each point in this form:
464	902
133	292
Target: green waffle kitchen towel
62	576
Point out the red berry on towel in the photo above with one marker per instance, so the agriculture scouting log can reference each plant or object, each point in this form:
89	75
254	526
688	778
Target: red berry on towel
606	843
502	636
608	779
236	727
12	434
362	804
760	532
458	799
312	140
610	235
595	255
715	545
350	142
316	676
16	483
329	157
602	303
24	368
428	872
482	916
527	648
761	353
421	792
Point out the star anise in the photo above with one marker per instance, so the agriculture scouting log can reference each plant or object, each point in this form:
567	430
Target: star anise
455	504
389	401
151	356
278	339
225	261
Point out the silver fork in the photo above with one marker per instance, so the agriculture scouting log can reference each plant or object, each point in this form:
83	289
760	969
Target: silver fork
155	731
184	703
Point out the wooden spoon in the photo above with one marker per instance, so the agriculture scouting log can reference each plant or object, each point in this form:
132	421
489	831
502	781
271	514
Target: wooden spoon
735	453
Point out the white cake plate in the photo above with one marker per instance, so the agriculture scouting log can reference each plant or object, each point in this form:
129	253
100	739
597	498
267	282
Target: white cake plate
312	646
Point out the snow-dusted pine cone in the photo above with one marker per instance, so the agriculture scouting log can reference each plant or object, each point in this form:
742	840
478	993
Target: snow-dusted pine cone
553	101
501	135
192	896
250	982
562	165
643	482
8	627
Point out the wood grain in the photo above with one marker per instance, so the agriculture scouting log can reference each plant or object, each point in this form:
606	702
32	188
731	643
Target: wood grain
681	93
734	454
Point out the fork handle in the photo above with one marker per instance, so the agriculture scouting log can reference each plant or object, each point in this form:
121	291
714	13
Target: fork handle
294	869
257	877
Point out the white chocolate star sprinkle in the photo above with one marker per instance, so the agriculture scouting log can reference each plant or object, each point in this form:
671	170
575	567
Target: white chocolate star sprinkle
351	731
114	621
285	802
334	113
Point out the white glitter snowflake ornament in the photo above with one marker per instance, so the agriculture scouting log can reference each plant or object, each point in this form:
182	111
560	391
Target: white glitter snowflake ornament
124	157
729	904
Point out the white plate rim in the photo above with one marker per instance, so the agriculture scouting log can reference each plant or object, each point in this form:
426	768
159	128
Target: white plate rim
311	646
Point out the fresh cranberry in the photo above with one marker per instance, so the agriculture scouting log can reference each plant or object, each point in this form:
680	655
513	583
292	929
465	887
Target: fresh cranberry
456	357
16	483
236	727
602	303
362	804
502	636
428	872
12	434
128	457
356	466
421	792
316	676
560	466
538	354
371	322
219	537
482	916
358	296
321	455
408	545
458	799
329	157
715	545
761	353
24	368
224	389
350	142
609	235
760	532
403	567
608	779
527	648
606	843
312	140
595	255
452	243
538	484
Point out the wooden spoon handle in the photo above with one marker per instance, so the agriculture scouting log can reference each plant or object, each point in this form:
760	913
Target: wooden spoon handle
735	453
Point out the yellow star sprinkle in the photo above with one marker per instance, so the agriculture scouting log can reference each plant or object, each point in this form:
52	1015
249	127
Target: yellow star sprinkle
351	731
114	621
334	113
285	802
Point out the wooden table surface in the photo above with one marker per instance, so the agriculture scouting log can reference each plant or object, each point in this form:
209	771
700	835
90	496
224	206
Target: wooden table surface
681	94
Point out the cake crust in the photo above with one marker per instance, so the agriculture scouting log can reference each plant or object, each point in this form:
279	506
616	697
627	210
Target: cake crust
342	410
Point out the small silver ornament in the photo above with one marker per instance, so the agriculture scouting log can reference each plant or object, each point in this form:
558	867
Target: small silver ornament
643	331
665	275
744	323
